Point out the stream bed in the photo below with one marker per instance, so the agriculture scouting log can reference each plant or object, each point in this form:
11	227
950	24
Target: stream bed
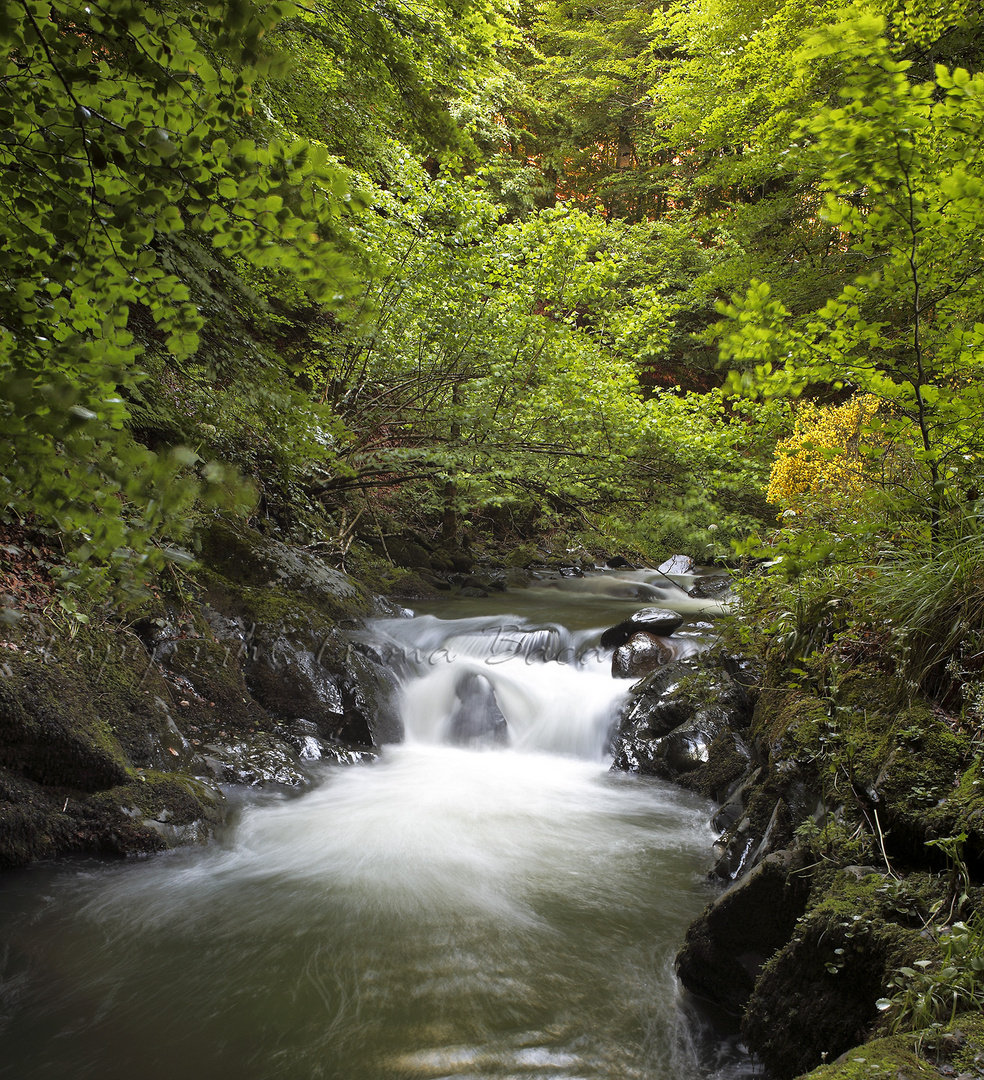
476	912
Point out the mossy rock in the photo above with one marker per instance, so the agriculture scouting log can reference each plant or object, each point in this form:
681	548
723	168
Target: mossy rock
51	731
298	665
955	1049
962	811
156	810
787	724
33	824
728	761
243	557
866	755
816	997
523	557
727	945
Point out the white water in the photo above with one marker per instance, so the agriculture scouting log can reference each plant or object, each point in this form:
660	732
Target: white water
445	913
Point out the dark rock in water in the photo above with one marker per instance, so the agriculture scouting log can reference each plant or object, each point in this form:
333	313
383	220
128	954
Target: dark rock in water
727	945
642	653
655	620
571	571
677	564
258	761
761	817
679	724
712	587
617	562
311	748
477	718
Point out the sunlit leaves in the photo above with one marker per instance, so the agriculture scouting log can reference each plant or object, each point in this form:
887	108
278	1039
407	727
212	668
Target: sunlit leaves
120	131
903	329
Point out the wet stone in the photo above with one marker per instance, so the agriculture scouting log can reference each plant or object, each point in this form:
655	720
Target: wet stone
642	653
654	620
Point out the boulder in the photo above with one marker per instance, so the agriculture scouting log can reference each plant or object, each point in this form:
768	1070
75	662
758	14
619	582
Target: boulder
712	587
660	621
817	997
477	718
679	723
642	653
677	564
728	944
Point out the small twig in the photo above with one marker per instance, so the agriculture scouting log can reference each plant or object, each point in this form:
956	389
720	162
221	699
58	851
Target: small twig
881	843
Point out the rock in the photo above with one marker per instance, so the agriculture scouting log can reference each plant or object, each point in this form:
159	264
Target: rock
677	564
477	718
679	723
524	556
52	733
244	557
655	620
727	945
641	654
712	587
817	996
256	762
453	559
571	571
771	811
617	562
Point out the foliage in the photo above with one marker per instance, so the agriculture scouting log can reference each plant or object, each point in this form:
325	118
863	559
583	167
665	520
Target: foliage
120	137
905	329
934	600
588	125
363	74
822	460
931	992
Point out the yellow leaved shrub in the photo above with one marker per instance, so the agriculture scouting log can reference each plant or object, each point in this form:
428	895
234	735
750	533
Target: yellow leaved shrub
821	460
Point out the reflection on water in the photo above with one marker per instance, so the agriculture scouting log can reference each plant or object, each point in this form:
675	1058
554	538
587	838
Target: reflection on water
444	913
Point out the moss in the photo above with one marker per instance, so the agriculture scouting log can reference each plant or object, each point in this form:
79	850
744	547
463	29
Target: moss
148	813
816	997
958	1048
218	699
523	556
726	765
881	1059
31	826
381	576
234	556
962	812
787	723
152	799
50	730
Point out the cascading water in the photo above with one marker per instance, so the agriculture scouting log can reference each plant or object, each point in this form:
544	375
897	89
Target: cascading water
485	902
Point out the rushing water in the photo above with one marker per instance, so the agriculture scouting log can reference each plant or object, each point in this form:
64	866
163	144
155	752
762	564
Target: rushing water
447	912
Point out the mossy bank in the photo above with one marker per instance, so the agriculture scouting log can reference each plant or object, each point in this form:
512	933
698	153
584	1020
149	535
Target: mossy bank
121	736
850	847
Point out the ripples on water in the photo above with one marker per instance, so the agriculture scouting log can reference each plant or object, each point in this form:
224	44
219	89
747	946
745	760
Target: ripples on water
444	913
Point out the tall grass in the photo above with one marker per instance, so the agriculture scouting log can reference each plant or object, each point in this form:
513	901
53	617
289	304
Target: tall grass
932	599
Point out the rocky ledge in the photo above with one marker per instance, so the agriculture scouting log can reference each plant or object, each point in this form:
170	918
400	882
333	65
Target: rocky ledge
121	738
851	836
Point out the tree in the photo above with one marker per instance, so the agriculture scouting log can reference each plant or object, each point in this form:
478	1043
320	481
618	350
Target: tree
904	180
121	137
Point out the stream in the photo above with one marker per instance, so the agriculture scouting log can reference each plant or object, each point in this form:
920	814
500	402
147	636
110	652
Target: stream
485	911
